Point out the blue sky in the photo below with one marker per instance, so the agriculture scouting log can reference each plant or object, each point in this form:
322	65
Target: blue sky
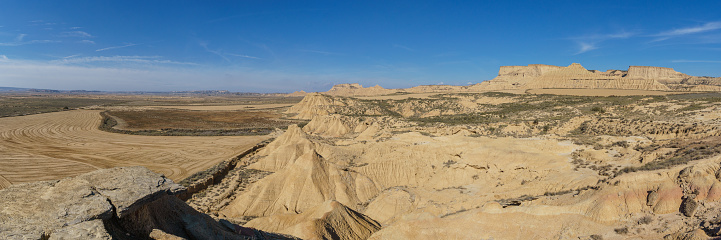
283	46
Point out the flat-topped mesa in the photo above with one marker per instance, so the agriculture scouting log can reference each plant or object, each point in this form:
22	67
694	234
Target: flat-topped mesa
535	76
661	74
576	76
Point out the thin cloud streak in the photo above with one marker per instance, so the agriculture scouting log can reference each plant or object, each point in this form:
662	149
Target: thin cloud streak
216	52
19	41
695	61
121	59
319	52
707	27
116	47
241	55
710	26
79	34
404	47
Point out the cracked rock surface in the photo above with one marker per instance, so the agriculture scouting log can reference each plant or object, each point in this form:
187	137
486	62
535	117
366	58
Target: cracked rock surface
116	203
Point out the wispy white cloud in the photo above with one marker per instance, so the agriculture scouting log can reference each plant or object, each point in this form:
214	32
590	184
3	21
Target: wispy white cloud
216	52
73	28
116	47
709	26
220	53
20	40
404	47
695	61
119	59
590	42
4	58
586	46
72	56
241	55
86	41
41	23
79	34
319	52
681	32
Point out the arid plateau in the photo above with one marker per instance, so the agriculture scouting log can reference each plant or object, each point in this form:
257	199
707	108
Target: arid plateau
539	152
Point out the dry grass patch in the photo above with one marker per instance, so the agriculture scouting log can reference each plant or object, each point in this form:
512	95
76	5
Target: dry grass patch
200	120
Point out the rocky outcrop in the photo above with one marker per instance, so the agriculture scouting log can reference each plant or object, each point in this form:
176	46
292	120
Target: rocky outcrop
314	104
285	150
660	74
299	186
331	126
117	203
329	220
536	76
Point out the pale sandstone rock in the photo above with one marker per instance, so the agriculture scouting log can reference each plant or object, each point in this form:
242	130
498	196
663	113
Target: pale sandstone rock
330	126
125	201
313	104
158	234
329	220
284	150
85	230
309	181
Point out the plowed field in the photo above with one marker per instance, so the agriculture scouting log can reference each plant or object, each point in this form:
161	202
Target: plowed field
63	144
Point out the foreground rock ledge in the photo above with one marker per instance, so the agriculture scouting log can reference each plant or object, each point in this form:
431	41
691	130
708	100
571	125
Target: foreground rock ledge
116	203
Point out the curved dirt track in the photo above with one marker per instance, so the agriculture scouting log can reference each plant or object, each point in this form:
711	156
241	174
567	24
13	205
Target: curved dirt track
64	144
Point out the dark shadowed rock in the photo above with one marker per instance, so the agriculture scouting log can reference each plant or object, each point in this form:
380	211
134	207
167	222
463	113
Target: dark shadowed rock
688	207
652	198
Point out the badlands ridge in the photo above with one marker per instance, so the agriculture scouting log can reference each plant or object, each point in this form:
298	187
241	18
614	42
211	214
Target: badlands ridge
473	162
575	76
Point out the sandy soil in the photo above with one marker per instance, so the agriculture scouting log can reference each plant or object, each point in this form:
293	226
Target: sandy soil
63	144
599	92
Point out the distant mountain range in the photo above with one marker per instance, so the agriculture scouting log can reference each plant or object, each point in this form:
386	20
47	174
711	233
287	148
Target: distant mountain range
198	92
12	89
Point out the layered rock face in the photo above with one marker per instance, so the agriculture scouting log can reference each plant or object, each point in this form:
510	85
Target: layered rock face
116	203
536	76
329	220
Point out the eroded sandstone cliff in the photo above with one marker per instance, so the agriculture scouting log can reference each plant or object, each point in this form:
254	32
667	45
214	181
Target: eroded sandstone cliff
535	76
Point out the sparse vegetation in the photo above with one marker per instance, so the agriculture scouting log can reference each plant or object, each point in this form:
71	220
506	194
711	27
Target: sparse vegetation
193	123
11	106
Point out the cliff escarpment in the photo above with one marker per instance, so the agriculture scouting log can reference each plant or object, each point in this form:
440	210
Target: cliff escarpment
536	76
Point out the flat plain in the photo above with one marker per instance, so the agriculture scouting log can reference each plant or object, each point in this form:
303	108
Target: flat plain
63	144
43	141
